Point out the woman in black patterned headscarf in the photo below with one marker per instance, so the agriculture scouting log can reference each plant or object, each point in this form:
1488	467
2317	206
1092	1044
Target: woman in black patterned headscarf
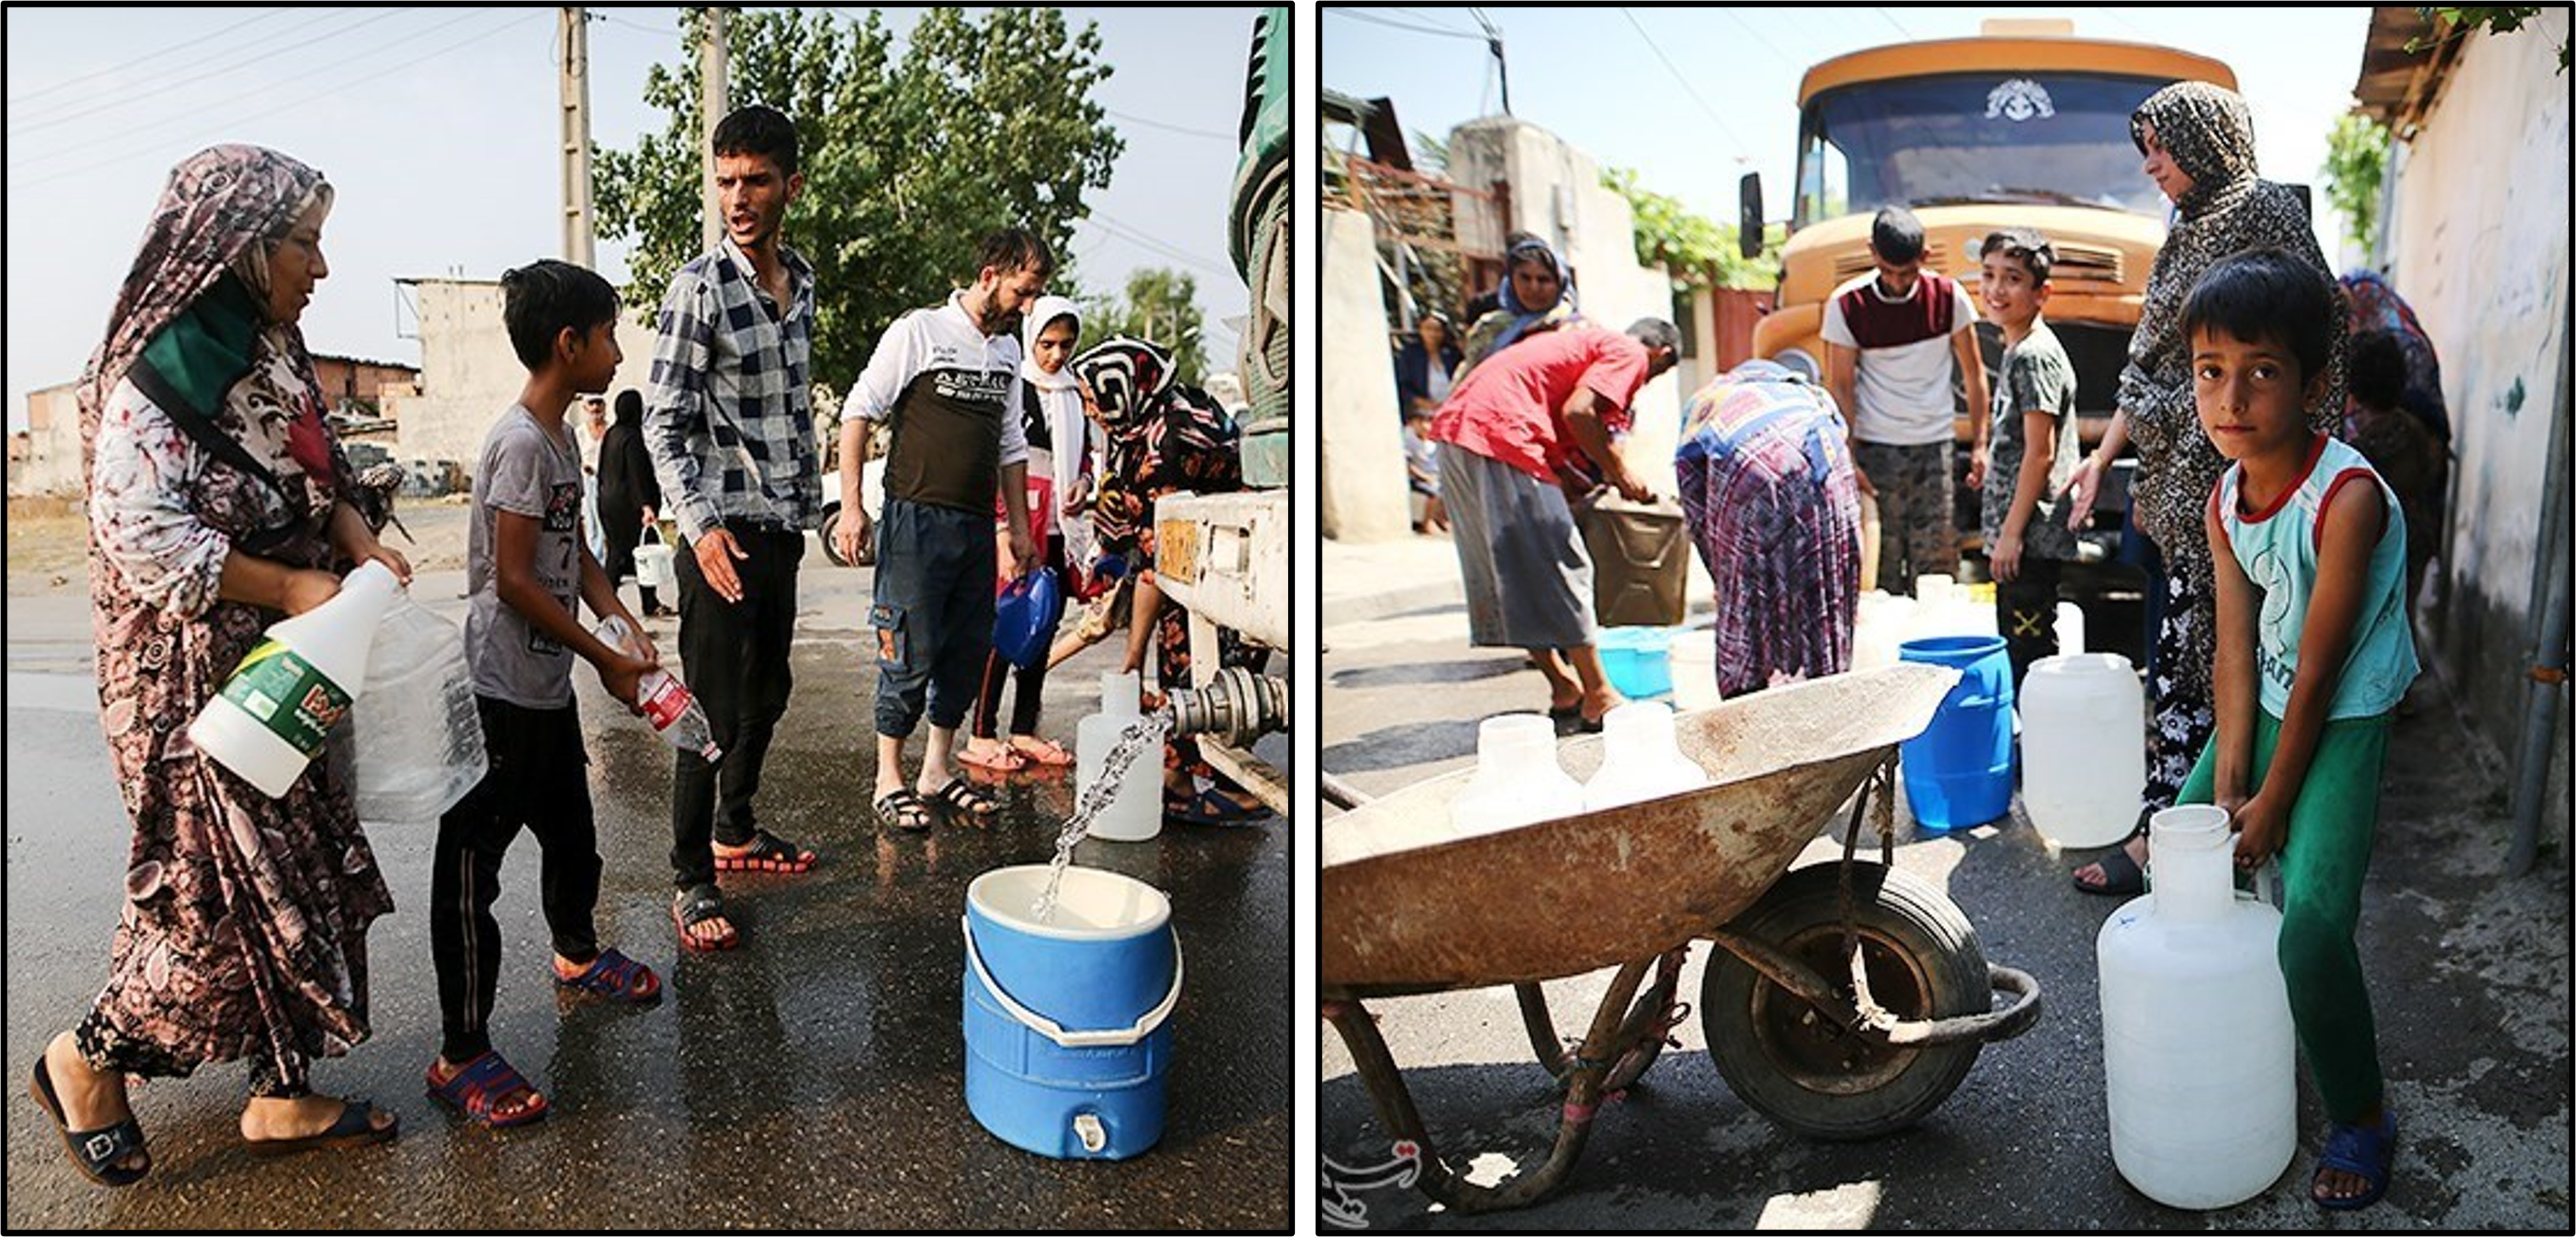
2198	140
218	502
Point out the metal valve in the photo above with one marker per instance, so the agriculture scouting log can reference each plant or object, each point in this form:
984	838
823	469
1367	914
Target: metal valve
1235	706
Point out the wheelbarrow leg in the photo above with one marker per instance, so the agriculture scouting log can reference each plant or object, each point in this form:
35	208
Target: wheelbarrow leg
1640	1037
1582	1099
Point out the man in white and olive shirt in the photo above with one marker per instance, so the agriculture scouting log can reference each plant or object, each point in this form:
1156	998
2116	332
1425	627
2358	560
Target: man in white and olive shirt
947	380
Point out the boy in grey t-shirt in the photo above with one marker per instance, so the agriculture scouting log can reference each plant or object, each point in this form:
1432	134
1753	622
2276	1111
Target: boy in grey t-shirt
2025	450
525	565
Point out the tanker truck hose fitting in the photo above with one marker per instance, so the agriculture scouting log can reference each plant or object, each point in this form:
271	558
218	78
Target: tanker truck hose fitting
1236	706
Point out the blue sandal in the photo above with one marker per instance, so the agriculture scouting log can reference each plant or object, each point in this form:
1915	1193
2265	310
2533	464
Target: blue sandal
614	975
2365	1152
482	1087
1207	807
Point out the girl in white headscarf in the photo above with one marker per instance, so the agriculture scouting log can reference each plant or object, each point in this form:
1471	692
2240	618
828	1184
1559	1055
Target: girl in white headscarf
1060	454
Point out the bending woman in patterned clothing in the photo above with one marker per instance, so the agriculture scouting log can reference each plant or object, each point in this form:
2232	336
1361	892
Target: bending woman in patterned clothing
218	503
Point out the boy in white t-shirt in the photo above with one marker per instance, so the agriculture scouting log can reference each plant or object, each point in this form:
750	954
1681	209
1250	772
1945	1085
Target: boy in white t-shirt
1890	339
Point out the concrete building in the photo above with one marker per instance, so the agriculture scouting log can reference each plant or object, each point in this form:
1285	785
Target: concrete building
2475	238
468	372
1554	192
45	458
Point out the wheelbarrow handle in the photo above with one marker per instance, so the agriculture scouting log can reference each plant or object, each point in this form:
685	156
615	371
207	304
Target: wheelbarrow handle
1998	1024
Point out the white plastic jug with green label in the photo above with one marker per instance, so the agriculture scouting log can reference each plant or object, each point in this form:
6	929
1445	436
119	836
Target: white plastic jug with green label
282	702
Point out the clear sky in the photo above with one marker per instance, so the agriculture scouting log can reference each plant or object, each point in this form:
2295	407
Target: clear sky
1693	98
438	128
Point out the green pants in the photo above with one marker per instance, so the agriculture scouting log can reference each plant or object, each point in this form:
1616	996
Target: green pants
2322	863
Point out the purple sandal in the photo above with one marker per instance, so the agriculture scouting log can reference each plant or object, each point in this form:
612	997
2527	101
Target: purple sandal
617	977
482	1087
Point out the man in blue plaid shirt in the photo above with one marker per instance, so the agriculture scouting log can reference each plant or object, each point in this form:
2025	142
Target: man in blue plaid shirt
729	422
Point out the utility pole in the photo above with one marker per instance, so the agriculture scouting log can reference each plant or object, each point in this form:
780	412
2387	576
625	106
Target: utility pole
711	89
579	225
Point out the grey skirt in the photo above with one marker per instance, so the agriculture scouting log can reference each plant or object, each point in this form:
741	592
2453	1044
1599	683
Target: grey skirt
1529	584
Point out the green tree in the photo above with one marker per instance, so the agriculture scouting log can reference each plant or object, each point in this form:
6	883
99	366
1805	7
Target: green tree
2356	162
2495	19
982	122
1161	307
1693	250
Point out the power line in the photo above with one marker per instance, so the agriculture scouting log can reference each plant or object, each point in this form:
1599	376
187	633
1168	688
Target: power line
1693	91
1759	37
1375	20
258	55
89	158
1891	20
1426	19
1227	138
138	61
1143	241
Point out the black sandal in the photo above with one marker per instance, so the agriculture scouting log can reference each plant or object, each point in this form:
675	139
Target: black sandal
696	905
354	1127
964	799
903	810
94	1152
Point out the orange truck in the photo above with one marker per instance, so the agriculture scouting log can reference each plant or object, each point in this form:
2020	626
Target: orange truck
2025	125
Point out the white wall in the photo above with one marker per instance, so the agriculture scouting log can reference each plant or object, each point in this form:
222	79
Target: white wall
2478	245
1360	450
53	463
1557	195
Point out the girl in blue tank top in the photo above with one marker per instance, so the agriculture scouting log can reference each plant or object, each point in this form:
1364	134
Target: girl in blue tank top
2314	653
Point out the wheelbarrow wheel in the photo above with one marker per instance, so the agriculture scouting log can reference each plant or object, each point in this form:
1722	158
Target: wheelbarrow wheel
1807	1069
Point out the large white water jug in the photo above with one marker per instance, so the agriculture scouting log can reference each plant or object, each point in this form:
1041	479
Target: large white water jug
1641	758
1518	780
2070	627
1943	608
1881	623
1692	658
2083	748
1135	814
273	714
416	731
2196	1037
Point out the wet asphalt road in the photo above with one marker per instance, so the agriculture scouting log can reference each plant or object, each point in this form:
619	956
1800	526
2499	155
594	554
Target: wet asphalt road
811	1078
2468	973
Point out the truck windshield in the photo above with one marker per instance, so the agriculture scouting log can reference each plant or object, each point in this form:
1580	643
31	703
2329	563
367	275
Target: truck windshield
2060	138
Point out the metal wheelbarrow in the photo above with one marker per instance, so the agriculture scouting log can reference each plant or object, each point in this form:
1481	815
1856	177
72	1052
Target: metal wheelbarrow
1844	1001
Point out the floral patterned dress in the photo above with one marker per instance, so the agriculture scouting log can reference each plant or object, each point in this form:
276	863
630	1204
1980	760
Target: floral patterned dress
243	931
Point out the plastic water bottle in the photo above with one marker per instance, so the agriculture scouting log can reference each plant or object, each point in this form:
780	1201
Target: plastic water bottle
668	703
1640	758
416	730
1518	780
1135	813
273	714
2196	1033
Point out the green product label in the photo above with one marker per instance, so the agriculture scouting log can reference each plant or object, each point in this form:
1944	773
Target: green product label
295	701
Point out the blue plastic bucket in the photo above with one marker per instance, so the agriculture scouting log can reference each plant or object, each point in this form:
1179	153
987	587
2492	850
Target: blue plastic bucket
1959	770
1068	1022
1637	661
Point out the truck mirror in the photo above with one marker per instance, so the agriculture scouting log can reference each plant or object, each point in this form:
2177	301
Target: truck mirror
1748	228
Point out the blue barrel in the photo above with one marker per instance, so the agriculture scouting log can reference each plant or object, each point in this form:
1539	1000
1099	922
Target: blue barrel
1068	1022
1959	770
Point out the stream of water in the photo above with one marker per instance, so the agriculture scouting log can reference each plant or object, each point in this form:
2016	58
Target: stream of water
1090	801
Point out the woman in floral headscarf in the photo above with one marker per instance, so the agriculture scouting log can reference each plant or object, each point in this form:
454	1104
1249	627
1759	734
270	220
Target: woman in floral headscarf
218	503
1165	437
2198	140
1537	294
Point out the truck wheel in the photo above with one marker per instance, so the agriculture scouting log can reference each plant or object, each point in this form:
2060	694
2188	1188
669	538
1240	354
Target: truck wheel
1803	1068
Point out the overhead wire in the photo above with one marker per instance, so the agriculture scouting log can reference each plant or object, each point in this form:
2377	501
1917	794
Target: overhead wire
1742	151
137	62
21	126
1374	19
